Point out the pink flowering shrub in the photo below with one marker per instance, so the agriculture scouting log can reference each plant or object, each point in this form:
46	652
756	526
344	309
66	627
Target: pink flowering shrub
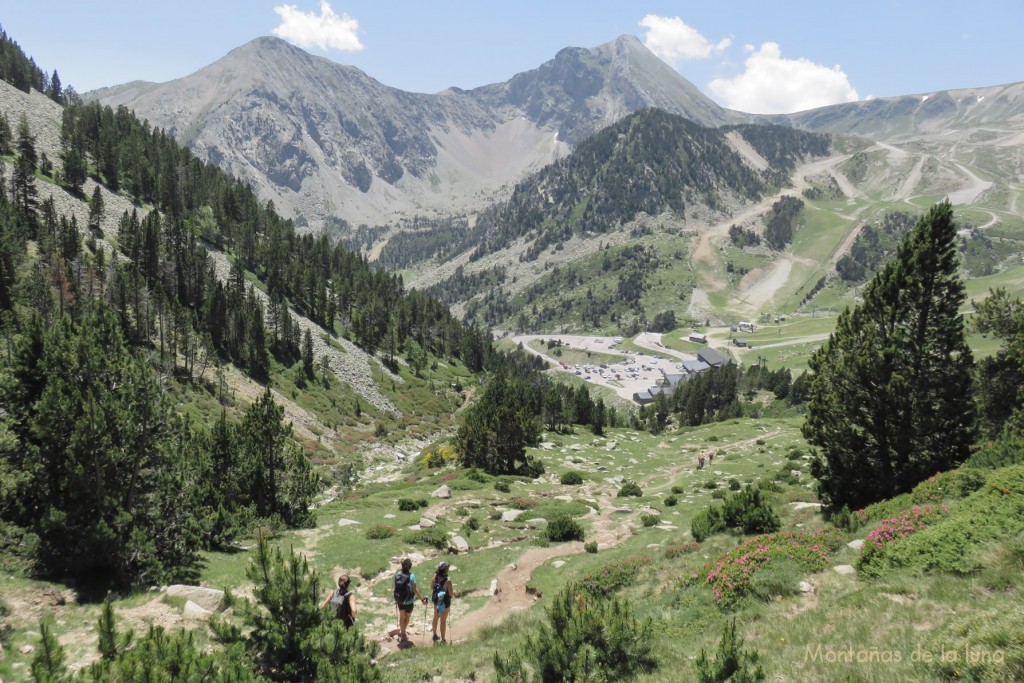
731	576
895	528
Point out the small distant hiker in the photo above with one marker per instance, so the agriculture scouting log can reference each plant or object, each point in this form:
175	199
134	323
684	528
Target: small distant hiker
700	461
406	593
711	455
441	596
343	601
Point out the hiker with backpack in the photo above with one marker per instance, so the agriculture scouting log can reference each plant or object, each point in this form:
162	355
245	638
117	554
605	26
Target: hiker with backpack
406	594
343	601
441	596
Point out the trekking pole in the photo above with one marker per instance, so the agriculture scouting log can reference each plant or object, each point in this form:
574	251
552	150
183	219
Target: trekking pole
423	627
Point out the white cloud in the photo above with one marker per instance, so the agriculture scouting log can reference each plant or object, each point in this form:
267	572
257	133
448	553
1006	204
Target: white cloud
672	40
774	85
326	30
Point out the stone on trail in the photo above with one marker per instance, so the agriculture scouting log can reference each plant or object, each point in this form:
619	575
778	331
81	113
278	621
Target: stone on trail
856	544
209	599
459	544
426	522
494	587
443	492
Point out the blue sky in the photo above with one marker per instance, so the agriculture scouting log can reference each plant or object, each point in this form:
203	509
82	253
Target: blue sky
749	55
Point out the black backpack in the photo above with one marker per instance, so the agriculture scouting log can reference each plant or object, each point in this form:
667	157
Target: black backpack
403	589
339	601
438	594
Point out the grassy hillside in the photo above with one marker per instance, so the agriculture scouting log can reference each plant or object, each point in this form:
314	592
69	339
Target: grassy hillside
800	630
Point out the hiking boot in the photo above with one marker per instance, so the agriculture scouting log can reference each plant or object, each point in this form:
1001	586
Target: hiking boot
436	637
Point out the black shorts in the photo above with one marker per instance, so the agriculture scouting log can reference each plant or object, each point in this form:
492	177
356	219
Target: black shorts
407	607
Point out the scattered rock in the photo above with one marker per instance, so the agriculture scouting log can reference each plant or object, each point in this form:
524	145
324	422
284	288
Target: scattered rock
513	566
558	564
539	521
510	515
26	649
387	516
443	492
346	522
567	499
801	506
459	544
806	587
209	599
493	590
612	445
426	522
857	544
194	611
844	569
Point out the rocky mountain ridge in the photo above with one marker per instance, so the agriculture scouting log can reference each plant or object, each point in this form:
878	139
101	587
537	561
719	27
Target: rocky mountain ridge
324	140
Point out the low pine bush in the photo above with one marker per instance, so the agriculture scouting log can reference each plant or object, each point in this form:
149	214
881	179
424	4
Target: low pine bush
435	537
571	478
407	505
706	523
732	662
611	576
590	547
584	638
562	528
379	532
747	511
502	485
630	489
649	520
671	501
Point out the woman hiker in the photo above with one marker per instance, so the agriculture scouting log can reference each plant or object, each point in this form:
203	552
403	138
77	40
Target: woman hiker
441	595
406	593
343	600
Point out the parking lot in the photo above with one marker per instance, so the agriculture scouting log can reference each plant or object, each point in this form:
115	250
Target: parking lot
630	372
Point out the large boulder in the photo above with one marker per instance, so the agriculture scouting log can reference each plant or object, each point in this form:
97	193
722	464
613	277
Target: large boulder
458	544
443	492
194	611
510	515
209	599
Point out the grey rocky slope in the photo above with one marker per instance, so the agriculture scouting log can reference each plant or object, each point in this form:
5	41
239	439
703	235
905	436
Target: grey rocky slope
325	140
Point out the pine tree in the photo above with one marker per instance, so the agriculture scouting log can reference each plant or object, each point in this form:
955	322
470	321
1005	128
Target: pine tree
890	395
23	180
96	210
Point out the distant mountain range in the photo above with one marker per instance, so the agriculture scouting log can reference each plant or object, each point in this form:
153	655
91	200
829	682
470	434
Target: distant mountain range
325	140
